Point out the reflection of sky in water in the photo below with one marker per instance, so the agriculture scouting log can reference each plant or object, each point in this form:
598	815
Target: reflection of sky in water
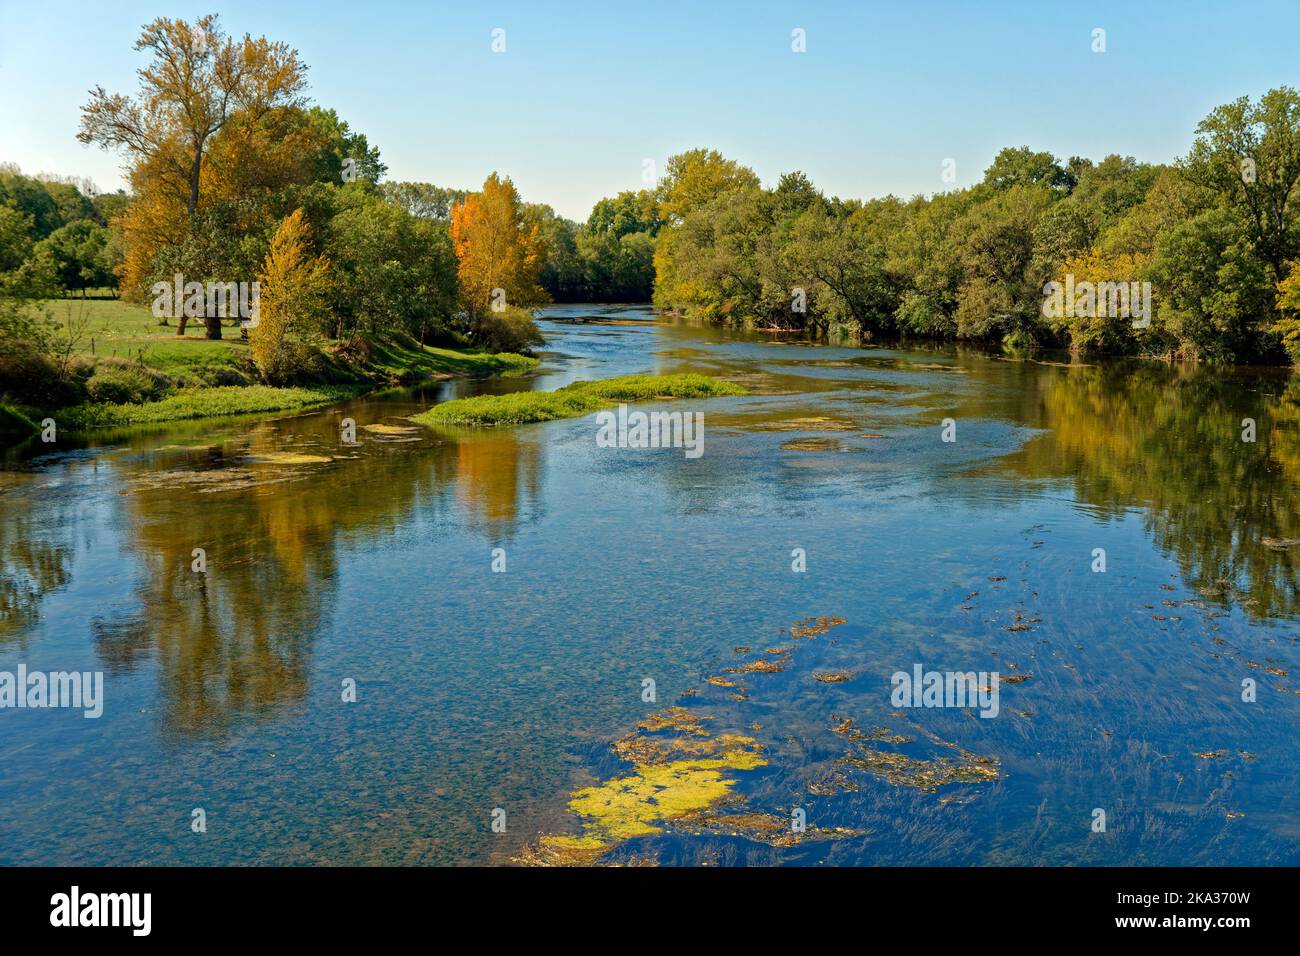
481	690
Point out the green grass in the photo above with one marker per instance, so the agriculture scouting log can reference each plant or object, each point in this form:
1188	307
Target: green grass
129	330
14	424
580	398
216	377
204	403
403	359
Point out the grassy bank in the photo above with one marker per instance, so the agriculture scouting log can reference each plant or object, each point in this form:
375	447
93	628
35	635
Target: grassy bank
204	403
580	398
127	369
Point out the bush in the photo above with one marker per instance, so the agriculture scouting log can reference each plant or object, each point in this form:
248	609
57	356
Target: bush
511	330
118	382
29	378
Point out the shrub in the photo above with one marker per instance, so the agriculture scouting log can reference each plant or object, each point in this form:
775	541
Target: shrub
118	382
511	330
29	378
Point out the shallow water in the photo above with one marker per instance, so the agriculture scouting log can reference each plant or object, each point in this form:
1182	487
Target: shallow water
480	690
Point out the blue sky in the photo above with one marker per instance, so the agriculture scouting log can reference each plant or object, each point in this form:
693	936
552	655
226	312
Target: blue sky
586	91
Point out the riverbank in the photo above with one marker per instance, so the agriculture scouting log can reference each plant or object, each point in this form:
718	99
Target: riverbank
123	368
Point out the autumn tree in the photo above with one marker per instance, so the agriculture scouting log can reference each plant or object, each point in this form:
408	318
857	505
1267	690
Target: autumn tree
199	78
292	290
214	116
1288	304
499	251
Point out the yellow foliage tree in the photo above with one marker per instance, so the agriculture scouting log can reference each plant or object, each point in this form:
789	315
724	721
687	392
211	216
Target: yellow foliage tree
499	250
1288	303
292	288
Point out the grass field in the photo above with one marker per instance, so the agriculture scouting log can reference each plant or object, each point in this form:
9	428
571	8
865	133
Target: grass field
204	377
113	328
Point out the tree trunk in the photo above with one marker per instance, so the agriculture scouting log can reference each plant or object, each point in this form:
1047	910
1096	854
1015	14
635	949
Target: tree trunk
180	323
195	169
213	322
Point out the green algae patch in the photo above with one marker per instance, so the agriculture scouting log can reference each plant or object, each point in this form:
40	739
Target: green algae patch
572	401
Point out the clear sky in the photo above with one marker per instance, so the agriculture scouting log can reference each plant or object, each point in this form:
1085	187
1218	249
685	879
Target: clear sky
585	92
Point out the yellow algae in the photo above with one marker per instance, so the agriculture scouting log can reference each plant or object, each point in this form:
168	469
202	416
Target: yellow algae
562	851
760	666
381	429
638	804
285	458
814	626
720	682
813	444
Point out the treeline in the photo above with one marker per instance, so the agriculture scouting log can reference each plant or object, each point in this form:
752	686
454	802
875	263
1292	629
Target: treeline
54	234
235	177
1216	235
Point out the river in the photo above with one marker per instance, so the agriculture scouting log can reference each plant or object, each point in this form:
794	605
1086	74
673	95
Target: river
478	690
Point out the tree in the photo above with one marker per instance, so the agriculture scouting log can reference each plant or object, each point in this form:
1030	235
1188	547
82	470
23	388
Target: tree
292	289
1288	304
215	121
498	251
79	252
1214	289
391	272
1249	154
198	79
1021	166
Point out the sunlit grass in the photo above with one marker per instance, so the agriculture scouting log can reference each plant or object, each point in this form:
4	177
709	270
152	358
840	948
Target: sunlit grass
204	403
580	398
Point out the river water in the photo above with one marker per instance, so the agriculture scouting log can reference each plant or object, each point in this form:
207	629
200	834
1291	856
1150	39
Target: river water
478	690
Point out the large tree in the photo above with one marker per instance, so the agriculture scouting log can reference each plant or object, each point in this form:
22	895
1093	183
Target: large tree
197	80
497	247
1249	153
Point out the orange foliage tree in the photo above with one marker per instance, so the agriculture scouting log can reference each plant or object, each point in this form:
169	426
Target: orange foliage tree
499	251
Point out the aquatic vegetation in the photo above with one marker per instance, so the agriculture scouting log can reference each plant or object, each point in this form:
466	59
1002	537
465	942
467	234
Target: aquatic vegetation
818	423
924	774
814	626
673	776
760	666
683	774
833	677
572	401
813	444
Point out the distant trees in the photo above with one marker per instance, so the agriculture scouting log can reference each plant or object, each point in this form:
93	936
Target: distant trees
1216	237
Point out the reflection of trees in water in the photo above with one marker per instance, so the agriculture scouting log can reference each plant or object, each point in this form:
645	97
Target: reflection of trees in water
35	551
494	472
236	640
1169	440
